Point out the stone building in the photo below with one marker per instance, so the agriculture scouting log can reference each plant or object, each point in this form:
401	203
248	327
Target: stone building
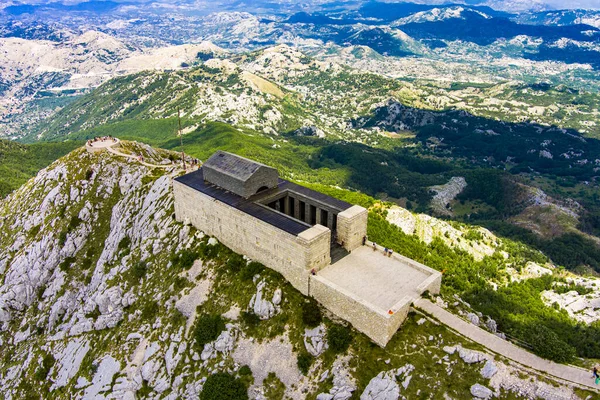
312	239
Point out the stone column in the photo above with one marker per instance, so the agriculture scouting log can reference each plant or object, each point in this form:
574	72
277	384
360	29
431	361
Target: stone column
318	211
307	213
330	217
286	206
296	208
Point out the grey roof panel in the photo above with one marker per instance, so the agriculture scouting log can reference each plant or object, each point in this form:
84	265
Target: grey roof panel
233	165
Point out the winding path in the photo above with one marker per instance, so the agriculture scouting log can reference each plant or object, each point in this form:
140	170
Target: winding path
507	349
132	157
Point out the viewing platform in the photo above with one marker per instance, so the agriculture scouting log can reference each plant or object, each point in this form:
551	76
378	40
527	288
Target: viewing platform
102	143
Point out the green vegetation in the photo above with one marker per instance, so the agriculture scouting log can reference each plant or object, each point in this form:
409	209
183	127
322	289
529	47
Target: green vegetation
305	360
208	328
339	338
274	388
20	162
222	386
311	313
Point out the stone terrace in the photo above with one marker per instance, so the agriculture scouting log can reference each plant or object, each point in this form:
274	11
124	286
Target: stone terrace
380	280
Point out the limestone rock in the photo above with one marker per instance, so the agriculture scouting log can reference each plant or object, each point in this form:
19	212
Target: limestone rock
489	369
343	382
382	387
481	392
491	325
224	344
314	340
261	307
276	300
473	318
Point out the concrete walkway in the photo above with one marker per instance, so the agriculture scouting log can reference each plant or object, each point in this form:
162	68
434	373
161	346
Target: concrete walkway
507	349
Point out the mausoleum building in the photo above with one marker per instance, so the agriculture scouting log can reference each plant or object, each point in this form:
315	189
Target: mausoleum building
299	232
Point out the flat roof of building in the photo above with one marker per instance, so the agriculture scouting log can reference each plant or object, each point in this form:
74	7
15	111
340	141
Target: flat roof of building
195	180
375	278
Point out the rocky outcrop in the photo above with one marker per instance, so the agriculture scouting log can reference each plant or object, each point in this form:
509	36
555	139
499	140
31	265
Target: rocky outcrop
314	340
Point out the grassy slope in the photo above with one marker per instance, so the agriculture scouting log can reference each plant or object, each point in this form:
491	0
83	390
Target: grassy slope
19	162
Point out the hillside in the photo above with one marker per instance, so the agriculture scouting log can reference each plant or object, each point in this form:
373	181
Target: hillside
20	162
105	295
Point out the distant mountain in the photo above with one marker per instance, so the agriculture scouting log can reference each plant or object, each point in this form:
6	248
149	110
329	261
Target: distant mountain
560	18
389	12
442	14
484	31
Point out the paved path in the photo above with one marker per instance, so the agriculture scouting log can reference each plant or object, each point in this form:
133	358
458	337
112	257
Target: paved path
507	349
131	156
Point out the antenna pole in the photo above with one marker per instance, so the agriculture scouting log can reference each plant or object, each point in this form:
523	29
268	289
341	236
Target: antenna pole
181	139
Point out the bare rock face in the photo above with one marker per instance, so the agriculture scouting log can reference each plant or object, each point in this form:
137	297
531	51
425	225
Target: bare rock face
385	386
259	305
343	382
224	344
489	369
314	340
481	392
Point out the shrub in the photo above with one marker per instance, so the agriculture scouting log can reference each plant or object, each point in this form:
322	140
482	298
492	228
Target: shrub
222	386
64	266
250	270
311	313
47	362
186	259
208	328
235	263
250	318
547	344
149	310
305	360
339	338
138	271
124	246
74	222
245	370
62	238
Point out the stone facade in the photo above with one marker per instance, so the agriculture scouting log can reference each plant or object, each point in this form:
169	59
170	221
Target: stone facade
352	227
379	325
292	256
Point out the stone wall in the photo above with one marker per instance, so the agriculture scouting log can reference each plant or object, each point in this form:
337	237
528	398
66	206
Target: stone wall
379	325
292	256
352	227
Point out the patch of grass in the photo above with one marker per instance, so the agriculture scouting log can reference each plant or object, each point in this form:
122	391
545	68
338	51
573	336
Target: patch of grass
221	386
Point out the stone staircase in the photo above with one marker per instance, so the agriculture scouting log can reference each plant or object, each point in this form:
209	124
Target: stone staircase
337	252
